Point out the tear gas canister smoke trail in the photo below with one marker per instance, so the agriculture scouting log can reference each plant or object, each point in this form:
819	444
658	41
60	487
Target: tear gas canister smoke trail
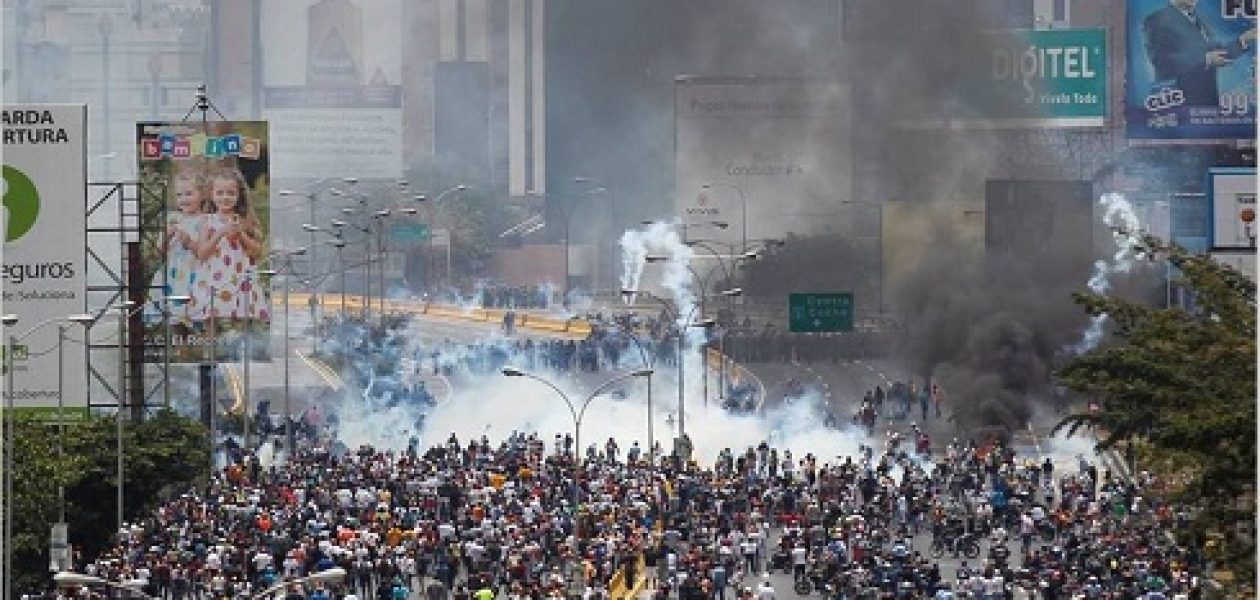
1119	216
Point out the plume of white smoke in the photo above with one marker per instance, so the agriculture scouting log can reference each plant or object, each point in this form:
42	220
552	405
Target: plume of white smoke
500	406
1119	216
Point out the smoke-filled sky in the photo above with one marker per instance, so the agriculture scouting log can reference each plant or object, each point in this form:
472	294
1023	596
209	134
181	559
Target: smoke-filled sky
987	322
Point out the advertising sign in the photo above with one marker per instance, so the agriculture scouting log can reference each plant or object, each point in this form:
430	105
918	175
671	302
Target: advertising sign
1191	74
332	72
1041	78
1232	193
761	156
206	234
45	203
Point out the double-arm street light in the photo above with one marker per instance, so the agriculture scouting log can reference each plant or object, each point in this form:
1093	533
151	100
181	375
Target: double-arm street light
702	285
578	412
328	576
879	290
70	579
676	319
649	363
743	215
62	323
286	265
436	203
566	214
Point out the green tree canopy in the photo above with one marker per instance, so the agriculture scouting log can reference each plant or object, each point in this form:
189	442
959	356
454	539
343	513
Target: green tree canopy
1183	383
167	452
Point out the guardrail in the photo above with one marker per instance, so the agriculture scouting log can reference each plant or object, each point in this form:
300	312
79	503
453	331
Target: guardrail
569	327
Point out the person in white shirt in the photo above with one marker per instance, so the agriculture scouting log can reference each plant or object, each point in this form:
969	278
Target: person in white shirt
766	591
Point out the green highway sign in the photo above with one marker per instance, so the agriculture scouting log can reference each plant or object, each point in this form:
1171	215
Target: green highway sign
409	233
820	313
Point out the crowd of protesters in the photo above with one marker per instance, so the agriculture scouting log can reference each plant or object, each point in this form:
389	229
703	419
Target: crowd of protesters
515	297
474	519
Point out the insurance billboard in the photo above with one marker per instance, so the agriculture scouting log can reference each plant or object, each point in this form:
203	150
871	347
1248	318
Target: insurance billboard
761	156
206	235
1191	73
45	250
332	73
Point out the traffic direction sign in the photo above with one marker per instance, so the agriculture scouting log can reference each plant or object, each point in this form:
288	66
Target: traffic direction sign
820	313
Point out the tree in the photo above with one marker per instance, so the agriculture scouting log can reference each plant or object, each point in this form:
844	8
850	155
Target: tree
1183	383
164	452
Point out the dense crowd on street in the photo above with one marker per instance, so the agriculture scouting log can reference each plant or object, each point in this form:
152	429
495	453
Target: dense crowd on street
474	519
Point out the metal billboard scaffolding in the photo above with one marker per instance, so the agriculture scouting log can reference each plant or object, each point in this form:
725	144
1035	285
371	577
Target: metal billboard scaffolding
115	277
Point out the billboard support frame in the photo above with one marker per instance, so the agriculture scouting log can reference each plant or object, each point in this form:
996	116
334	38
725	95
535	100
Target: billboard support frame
128	227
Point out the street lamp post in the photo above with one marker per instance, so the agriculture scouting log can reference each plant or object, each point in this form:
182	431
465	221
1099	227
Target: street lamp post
744	201
125	310
436	203
702	284
249	354
649	363
9	320
879	290
568	221
383	252
288	406
578	414
340	244
672	312
333	575
66	579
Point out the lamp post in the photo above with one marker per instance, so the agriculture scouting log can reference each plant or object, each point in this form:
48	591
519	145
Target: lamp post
9	320
105	26
649	363
568	220
66	579
879	291
744	201
288	403
702	284
672	312
333	575
249	354
340	244
436	203
383	252
578	414
125	310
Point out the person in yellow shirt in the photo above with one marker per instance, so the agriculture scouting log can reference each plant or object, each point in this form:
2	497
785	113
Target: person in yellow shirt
394	536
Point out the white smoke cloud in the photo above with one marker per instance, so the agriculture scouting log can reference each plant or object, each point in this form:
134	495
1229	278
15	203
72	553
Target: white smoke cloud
1119	216
497	407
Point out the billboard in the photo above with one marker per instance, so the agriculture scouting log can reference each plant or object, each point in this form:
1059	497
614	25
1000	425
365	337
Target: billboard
334	100
206	234
1232	202
45	250
1191	74
1041	78
763	156
1022	78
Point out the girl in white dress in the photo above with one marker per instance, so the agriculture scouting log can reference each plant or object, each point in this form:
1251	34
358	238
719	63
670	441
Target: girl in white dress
178	246
230	247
